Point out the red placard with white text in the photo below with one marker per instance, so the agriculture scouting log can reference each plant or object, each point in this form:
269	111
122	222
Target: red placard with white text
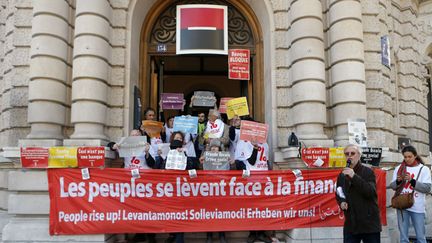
253	131
316	157
34	157
111	201
238	64
91	157
223	102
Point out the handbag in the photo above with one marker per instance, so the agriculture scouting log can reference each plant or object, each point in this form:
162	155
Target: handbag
403	201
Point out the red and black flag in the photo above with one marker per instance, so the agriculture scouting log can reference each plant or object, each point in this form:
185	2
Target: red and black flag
202	28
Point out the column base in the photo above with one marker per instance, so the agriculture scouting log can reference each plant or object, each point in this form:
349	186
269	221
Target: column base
85	142
40	142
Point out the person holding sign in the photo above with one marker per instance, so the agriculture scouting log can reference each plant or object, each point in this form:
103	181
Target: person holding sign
154	138
411	176
215	128
234	135
169	127
357	196
176	143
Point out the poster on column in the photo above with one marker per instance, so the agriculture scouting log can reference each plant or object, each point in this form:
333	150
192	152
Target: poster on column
162	201
315	157
62	157
91	157
337	157
238	64
34	157
357	133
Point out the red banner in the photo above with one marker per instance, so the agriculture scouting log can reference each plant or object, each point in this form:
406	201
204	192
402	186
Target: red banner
111	201
34	157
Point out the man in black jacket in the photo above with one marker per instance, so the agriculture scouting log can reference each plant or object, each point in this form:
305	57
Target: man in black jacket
357	196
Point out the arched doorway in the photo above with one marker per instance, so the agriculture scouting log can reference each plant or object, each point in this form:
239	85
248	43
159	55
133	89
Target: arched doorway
161	70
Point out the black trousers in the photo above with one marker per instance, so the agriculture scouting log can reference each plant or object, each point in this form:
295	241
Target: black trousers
366	238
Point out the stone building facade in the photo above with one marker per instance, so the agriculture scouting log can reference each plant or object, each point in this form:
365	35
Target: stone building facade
68	69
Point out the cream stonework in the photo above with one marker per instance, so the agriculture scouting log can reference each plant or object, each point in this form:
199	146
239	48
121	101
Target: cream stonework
68	68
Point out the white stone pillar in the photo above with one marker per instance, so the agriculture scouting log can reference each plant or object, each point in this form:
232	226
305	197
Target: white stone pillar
91	65
308	72
48	84
347	70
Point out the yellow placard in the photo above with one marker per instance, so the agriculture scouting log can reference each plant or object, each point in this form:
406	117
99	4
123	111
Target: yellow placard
237	106
62	157
337	157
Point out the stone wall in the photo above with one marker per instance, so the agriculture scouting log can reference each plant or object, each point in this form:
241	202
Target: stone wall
15	37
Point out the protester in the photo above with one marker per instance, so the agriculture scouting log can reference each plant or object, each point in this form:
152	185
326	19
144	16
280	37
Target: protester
216	128
150	114
168	127
253	156
411	175
199	140
215	146
357	196
234	135
177	142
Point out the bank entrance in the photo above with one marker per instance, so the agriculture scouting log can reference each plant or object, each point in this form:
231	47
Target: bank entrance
162	71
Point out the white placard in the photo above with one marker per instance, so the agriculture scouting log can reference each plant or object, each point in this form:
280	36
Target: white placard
176	160
164	148
357	133
132	146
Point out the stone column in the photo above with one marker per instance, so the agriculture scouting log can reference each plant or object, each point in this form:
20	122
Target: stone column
308	72
48	84
91	65
347	69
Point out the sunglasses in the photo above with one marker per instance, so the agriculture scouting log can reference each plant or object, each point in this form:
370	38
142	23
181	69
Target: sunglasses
350	153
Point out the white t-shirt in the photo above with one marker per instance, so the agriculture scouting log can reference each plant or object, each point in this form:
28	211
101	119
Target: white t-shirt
419	198
137	162
215	129
244	151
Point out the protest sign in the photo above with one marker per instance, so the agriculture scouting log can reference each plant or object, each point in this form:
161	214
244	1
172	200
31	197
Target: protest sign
34	157
172	101
152	128
371	156
186	124
204	98
237	106
357	133
315	157
162	201
132	146
216	160
62	157
222	105
91	157
253	131
176	160
238	64
337	157
164	148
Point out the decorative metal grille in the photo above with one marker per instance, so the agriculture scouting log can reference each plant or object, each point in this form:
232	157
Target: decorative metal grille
239	31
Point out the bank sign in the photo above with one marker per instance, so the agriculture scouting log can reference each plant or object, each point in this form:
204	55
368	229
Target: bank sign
238	64
202	29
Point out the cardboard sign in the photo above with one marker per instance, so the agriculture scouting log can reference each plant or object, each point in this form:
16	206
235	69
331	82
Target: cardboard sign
91	157
62	157
253	131
132	146
152	128
237	106
238	64
172	101
176	160
315	157
204	98
162	201
371	156
222	105
164	148
34	157
337	157
186	124
216	160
